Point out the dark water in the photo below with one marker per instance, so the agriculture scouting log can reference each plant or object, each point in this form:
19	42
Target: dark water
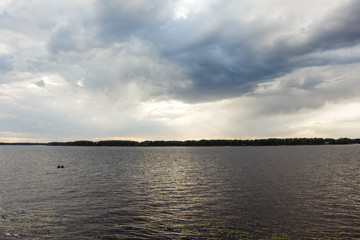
300	192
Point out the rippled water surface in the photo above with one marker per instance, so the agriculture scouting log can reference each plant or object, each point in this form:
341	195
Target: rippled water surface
299	192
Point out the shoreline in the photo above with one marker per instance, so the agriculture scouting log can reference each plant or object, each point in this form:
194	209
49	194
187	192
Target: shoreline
200	143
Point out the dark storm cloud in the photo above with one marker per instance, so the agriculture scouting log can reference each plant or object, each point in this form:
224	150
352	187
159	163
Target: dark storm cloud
226	61
222	54
339	29
215	66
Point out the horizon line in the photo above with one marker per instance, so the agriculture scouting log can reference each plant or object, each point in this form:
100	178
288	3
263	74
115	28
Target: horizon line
188	140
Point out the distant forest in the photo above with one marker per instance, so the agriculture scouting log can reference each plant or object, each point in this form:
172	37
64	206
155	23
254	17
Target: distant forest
218	142
202	143
24	143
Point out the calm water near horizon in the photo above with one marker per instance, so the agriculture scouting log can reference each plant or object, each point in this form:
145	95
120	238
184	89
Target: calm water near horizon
281	192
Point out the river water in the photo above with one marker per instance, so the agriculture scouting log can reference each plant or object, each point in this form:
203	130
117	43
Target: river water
282	192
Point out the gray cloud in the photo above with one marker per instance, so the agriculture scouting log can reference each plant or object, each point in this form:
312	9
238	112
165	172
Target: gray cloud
6	63
40	83
222	54
218	52
338	30
64	39
119	20
308	89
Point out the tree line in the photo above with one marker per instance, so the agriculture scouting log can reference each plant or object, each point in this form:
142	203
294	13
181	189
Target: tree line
22	143
211	142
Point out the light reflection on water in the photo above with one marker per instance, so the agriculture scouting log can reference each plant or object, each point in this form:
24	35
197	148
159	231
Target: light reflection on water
172	193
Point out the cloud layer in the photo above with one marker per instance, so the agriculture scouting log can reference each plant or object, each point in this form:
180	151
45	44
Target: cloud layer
178	69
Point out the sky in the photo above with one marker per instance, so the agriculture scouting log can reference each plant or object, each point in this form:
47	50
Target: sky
178	69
